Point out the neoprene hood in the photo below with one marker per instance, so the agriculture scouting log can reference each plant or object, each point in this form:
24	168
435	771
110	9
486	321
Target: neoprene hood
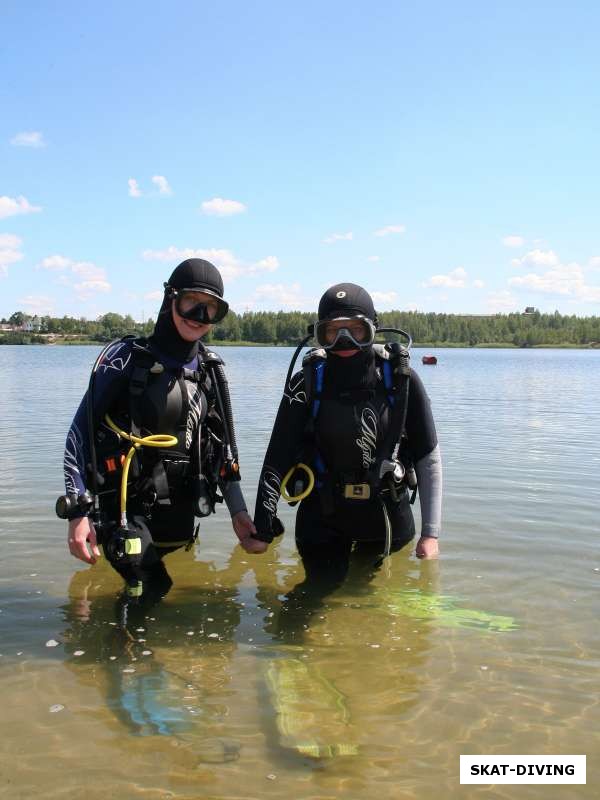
346	300
194	274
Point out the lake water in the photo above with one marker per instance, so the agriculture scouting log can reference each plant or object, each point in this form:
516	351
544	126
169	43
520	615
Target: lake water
232	686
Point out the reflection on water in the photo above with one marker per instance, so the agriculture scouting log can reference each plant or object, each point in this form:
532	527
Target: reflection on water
250	679
169	669
141	658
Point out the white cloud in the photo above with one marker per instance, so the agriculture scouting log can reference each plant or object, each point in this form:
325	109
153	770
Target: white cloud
338	237
88	271
499	302
390	229
227	263
134	188
229	266
276	296
218	207
268	264
163	184
565	280
57	263
11	206
373	259
537	258
9	240
513	241
37	304
456	279
478	284
383	298
89	277
10	252
157	295
28	139
89	288
589	294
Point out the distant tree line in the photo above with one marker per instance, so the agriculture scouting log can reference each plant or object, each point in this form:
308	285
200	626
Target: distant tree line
289	327
104	329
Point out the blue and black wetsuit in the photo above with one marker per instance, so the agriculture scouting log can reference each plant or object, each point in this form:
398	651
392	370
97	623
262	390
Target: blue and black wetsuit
176	398
352	422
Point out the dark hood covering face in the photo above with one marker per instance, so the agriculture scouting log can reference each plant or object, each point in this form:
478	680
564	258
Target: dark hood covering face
354	372
193	273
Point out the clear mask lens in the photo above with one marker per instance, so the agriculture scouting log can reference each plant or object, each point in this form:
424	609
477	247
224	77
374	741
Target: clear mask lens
345	333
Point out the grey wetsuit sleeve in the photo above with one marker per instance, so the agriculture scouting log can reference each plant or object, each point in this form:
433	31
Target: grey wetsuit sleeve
429	477
232	494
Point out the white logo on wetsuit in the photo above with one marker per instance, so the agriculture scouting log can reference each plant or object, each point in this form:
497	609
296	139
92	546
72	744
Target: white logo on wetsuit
339	295
295	390
194	414
271	487
74	456
110	360
368	440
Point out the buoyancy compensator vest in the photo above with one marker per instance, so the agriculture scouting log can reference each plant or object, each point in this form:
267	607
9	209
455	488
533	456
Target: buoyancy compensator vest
191	405
390	470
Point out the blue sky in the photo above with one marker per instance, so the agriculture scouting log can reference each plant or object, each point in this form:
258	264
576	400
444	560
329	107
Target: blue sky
443	155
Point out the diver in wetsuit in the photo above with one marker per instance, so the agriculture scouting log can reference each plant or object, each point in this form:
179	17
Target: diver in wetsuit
171	387
342	425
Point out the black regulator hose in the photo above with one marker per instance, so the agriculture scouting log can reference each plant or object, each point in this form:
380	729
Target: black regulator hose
290	371
226	410
406	335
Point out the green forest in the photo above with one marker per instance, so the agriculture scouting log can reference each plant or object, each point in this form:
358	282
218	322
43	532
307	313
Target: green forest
285	328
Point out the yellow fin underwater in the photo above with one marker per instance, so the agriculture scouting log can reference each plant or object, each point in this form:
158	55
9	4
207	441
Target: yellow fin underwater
312	718
444	610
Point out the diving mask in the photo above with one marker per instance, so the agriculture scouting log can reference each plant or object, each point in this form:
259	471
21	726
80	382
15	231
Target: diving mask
198	305
345	333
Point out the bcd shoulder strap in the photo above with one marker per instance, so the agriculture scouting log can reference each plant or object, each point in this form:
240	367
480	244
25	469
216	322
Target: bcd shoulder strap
313	370
144	363
394	363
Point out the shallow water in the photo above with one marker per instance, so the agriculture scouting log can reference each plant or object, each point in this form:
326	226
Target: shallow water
237	686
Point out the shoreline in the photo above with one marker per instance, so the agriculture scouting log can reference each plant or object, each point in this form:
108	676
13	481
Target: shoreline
416	345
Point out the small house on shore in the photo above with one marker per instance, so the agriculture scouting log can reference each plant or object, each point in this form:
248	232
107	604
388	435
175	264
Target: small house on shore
33	325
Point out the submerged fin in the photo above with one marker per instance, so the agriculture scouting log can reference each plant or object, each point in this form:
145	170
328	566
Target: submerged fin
444	609
312	718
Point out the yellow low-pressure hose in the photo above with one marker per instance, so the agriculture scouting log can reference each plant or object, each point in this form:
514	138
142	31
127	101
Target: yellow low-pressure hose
154	440
306	492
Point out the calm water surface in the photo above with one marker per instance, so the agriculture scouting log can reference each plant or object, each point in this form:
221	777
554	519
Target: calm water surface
229	687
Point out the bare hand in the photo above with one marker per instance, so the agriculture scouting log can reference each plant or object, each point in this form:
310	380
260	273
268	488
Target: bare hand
244	528
427	547
82	540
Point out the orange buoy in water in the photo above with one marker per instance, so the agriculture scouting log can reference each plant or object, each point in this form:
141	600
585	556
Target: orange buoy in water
429	359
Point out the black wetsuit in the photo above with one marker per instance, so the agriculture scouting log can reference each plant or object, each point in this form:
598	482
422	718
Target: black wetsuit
174	402
352	422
